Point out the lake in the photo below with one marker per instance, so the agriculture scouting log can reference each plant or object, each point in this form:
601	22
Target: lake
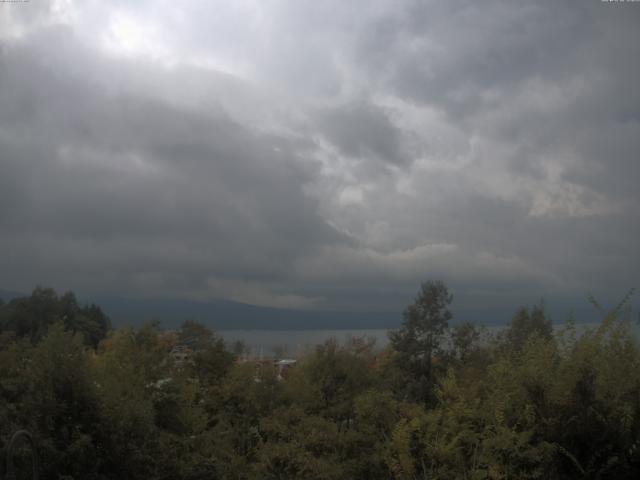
294	343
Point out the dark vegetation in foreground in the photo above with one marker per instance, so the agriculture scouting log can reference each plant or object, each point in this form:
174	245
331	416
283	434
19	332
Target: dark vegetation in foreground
438	403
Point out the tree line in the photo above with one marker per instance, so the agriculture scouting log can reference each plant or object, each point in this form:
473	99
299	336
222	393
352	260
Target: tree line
440	402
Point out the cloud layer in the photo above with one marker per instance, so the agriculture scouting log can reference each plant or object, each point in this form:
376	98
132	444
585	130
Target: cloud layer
325	156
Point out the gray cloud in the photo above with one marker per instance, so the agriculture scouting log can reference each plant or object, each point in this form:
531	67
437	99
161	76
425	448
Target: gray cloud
133	186
363	131
325	156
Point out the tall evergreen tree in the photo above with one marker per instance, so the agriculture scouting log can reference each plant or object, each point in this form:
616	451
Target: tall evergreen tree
419	339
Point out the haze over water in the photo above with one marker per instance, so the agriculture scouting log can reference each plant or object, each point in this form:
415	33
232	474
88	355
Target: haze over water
296	343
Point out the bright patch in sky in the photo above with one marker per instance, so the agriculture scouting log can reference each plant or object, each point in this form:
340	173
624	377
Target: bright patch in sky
129	36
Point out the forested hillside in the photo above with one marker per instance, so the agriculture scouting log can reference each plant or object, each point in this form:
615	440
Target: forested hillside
440	402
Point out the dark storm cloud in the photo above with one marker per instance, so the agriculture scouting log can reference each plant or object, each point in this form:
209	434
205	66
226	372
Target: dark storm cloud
471	59
447	53
322	155
137	185
364	131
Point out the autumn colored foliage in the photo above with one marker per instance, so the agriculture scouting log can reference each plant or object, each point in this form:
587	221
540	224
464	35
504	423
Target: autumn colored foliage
441	402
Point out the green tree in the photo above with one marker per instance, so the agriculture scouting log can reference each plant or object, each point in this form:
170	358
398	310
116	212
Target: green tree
31	317
464	340
239	348
338	374
298	445
210	358
419	339
61	405
195	333
527	322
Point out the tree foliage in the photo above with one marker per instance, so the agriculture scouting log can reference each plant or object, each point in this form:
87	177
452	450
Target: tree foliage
529	404
527	323
419	340
31	317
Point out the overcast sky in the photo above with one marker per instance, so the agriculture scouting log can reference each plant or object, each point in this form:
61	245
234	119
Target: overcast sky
321	155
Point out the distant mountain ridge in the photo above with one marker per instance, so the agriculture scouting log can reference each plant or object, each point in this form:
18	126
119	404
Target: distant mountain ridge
230	315
226	315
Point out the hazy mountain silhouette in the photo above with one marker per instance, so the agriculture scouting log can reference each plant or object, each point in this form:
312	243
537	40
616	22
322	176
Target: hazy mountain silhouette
224	314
